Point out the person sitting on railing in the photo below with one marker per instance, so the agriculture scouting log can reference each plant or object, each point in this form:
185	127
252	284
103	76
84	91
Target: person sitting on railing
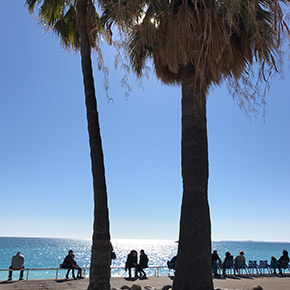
283	261
143	263
131	262
17	263
70	264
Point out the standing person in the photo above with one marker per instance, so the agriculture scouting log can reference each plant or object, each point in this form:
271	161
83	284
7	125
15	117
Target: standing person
17	263
214	262
143	263
131	262
283	261
70	264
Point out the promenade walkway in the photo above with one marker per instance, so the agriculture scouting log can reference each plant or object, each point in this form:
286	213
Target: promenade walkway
268	283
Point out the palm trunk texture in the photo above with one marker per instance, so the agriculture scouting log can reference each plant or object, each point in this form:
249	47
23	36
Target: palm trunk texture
100	258
194	260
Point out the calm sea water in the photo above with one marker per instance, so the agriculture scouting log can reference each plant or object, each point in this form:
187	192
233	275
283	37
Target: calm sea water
49	253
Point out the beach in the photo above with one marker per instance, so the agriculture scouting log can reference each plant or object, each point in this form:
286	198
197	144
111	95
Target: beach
235	283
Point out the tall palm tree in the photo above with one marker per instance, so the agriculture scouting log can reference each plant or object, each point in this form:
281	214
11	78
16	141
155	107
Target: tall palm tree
77	24
197	43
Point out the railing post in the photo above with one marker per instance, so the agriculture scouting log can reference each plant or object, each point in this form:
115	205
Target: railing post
27	274
56	274
84	272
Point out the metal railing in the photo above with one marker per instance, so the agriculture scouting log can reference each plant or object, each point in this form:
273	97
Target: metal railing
156	272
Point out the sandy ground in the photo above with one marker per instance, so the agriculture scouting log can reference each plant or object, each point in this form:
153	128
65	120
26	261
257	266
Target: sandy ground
268	283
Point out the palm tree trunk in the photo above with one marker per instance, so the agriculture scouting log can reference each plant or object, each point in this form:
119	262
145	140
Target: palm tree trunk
100	259
194	261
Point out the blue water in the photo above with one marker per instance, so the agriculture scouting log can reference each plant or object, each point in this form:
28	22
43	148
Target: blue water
49	253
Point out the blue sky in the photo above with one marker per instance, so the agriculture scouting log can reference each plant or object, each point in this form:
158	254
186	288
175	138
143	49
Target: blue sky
45	178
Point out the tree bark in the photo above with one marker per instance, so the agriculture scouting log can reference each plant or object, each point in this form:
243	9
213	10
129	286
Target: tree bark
101	251
194	260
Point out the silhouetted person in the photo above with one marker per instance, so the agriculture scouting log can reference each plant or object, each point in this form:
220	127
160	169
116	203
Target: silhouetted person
227	262
17	263
172	263
214	262
240	261
274	264
70	264
131	262
283	261
143	263
113	254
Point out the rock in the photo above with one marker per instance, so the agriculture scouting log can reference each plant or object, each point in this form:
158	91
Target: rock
258	287
167	287
136	287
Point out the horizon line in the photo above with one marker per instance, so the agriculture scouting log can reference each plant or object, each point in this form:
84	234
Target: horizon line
139	239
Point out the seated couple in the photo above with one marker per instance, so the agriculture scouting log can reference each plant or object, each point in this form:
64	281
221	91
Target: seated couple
70	264
132	263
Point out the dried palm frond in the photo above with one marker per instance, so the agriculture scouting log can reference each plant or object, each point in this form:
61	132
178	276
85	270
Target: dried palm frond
219	38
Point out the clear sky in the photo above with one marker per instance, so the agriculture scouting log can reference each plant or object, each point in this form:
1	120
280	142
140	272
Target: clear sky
45	178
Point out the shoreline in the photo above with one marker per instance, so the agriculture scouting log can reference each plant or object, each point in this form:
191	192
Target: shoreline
230	283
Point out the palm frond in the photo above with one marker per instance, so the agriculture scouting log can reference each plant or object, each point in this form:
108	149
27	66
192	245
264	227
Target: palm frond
220	38
65	28
59	16
31	4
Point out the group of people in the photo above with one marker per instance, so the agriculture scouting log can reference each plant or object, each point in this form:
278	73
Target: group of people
17	263
241	260
216	260
69	263
281	262
132	262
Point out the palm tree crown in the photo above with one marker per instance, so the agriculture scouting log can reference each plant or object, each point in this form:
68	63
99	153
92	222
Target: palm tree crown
60	16
218	38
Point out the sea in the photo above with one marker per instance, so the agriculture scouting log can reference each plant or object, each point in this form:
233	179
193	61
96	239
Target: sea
50	252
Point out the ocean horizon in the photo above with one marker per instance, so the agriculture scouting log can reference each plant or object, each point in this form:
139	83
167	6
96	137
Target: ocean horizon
138	239
50	252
